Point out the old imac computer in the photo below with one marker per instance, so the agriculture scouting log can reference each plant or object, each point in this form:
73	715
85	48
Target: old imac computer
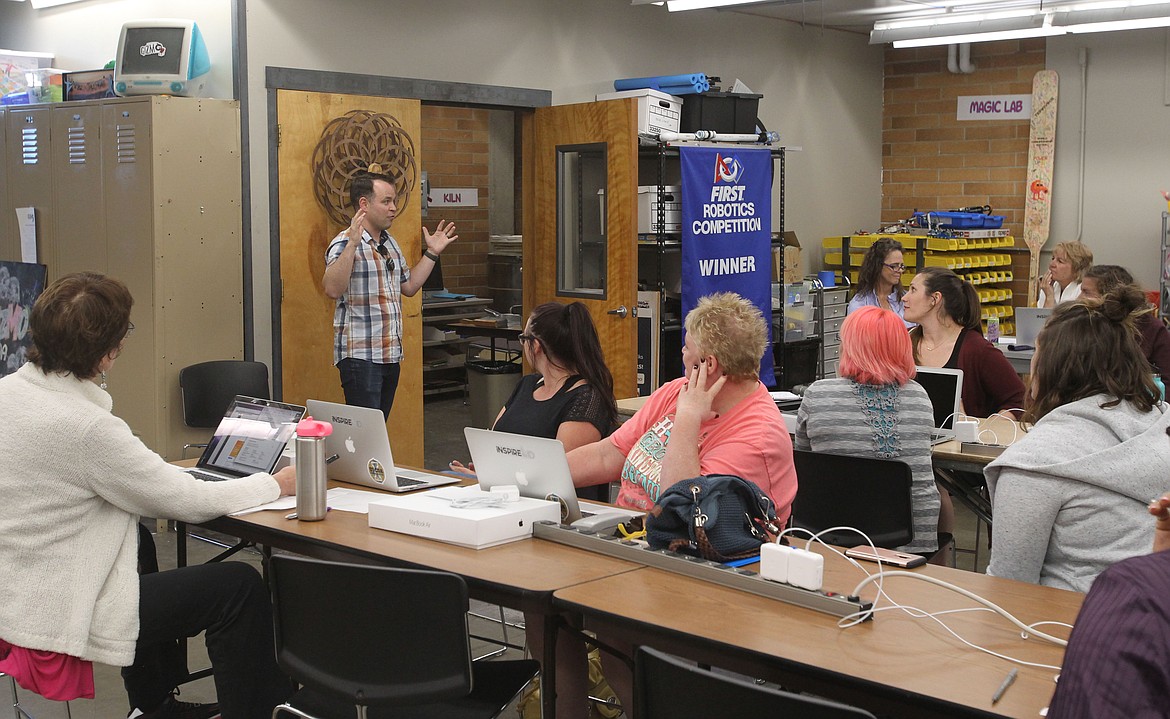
163	56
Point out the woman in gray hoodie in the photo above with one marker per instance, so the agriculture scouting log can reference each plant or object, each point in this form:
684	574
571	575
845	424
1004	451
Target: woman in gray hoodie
1070	498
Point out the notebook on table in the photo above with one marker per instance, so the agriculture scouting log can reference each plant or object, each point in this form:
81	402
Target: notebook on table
945	388
1029	322
362	446
249	439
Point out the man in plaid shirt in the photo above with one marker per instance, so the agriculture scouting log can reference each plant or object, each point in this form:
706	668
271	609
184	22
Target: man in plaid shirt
366	272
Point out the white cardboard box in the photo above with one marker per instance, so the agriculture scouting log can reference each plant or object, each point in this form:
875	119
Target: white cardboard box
648	209
430	515
657	111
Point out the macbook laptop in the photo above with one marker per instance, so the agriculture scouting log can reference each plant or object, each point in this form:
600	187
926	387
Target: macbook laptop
362	447
944	387
249	439
1029	322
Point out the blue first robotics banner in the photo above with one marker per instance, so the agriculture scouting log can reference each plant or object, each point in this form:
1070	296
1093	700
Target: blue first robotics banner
727	230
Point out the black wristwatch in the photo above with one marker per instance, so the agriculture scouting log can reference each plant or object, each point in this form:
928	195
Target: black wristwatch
427	253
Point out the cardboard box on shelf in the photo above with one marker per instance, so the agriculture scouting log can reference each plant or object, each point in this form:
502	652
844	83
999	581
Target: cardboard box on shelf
793	265
657	111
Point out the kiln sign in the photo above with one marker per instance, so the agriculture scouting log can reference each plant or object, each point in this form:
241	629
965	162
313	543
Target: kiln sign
994	107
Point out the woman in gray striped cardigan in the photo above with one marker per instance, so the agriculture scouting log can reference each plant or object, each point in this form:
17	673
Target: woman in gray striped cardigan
875	408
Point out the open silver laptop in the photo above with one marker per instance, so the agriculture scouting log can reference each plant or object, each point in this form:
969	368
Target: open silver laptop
1029	322
249	439
945	389
537	466
362	447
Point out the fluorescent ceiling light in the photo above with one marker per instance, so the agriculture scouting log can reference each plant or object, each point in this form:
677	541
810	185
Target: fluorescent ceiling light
38	4
982	37
956	26
678	5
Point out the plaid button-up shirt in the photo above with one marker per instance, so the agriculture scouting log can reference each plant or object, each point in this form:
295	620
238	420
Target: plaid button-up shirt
367	323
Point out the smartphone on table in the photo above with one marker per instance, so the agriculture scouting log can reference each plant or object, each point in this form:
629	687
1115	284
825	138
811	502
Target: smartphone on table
886	556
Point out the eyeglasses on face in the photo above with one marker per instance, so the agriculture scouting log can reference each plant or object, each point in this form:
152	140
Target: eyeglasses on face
525	337
129	329
895	266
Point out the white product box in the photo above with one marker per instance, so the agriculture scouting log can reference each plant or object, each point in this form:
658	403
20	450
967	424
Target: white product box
648	208
657	111
430	515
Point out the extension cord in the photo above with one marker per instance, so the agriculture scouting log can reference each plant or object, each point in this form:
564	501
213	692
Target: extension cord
798	567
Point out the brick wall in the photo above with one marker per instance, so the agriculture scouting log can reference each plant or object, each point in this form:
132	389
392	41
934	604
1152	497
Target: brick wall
932	161
455	154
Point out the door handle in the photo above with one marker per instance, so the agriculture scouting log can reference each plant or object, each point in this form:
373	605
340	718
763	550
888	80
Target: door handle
620	312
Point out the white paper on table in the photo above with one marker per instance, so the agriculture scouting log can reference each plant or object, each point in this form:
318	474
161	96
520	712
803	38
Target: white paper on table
26	220
345	500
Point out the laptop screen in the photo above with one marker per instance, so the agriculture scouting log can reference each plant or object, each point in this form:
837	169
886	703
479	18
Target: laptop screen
251	436
943	386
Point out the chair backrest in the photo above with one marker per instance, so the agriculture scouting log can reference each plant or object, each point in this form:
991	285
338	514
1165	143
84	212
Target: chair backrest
208	387
668	688
841	490
371	635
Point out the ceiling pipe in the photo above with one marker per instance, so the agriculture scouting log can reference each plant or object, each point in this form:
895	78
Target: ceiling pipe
959	59
965	65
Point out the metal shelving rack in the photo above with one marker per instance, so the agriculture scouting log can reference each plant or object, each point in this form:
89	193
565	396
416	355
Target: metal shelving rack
670	243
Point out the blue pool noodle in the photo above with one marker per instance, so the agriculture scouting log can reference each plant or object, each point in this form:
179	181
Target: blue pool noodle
655	82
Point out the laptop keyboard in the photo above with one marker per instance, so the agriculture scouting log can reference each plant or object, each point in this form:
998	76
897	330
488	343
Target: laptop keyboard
408	482
205	476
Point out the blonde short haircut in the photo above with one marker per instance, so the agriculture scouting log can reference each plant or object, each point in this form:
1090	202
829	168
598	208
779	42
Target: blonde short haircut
732	329
1079	256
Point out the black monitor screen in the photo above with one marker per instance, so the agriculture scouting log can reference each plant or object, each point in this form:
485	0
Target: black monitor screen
153	51
435	279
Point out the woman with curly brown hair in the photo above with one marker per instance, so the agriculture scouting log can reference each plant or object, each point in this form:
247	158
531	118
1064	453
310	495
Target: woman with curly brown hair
1070	497
879	281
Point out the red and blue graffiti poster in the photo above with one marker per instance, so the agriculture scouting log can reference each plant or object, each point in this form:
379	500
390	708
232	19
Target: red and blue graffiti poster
727	229
20	285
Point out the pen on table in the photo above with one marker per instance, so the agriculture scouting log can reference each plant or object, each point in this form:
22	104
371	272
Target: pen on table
1007	682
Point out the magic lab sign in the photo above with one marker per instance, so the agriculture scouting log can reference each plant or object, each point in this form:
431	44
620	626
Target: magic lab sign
994	107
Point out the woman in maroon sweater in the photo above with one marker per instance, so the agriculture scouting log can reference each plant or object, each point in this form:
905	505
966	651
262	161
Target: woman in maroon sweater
1100	280
949	334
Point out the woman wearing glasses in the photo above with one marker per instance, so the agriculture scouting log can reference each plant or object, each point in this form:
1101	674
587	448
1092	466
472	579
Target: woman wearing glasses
879	281
570	395
75	480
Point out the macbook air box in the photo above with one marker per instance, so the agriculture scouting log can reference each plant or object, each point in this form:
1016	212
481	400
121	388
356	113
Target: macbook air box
431	515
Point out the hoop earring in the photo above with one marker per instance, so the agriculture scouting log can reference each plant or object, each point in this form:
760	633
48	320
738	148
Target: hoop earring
103	384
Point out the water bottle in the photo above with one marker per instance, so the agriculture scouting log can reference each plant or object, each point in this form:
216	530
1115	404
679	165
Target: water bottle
1161	387
993	330
311	436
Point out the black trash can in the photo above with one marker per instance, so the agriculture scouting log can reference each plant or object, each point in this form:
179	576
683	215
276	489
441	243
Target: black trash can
489	385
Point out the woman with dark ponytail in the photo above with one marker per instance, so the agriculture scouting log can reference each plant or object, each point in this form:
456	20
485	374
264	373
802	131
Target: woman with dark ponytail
570	395
1070	497
950	334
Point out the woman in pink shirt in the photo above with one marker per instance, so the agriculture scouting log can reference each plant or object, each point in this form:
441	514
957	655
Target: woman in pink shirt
719	419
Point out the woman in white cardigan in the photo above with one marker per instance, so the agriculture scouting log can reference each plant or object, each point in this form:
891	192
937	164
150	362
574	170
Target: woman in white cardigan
75	480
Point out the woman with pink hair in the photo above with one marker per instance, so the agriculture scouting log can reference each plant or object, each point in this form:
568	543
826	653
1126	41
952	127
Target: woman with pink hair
876	409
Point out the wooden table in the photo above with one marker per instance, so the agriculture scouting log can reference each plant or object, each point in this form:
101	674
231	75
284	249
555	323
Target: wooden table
949	459
893	665
522	575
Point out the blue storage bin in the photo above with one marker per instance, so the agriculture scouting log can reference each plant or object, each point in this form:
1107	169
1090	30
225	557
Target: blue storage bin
958	220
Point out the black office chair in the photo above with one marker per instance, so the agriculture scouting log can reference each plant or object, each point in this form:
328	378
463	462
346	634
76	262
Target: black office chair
666	687
841	490
208	387
384	640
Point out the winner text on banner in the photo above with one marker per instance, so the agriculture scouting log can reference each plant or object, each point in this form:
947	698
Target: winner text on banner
727	229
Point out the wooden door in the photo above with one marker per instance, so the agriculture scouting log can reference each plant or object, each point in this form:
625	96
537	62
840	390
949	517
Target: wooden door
552	139
306	314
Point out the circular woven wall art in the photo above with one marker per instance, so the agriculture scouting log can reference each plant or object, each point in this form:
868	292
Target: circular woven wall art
361	141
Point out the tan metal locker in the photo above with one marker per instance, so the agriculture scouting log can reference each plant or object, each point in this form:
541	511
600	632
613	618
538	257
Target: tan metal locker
30	175
146	189
79	222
